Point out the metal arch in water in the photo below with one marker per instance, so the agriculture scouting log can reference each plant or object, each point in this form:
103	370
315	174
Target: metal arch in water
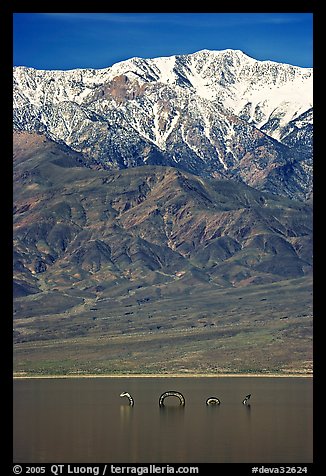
171	393
126	394
213	401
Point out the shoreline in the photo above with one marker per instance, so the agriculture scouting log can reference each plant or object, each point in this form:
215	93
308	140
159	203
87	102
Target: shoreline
190	375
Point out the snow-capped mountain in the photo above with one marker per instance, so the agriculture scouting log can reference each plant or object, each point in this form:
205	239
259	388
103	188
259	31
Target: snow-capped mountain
213	113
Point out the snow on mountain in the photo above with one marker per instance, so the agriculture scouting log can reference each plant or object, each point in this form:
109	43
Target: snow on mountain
259	89
213	113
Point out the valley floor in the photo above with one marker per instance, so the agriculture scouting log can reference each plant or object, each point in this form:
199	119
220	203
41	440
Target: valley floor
263	330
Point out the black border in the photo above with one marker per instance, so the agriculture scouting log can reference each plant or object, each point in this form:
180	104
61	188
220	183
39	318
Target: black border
6	32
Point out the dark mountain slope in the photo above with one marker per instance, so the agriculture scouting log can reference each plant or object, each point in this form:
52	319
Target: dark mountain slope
74	223
100	253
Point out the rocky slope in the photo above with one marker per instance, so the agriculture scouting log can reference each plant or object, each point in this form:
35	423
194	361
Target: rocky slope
79	226
211	113
153	269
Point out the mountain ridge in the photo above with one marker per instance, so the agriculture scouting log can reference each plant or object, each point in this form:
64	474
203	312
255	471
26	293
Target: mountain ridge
188	111
171	217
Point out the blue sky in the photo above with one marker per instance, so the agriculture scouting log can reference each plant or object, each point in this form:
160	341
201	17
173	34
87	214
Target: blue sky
98	40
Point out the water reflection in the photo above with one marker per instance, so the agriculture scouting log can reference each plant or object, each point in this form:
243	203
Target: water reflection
127	437
172	415
125	413
171	437
84	420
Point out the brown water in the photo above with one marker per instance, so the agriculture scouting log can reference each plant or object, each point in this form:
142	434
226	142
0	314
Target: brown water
86	421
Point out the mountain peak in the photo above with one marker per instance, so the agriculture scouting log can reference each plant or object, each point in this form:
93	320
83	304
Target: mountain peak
212	113
228	51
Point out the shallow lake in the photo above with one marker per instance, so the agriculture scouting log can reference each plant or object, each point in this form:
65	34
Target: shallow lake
86	421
